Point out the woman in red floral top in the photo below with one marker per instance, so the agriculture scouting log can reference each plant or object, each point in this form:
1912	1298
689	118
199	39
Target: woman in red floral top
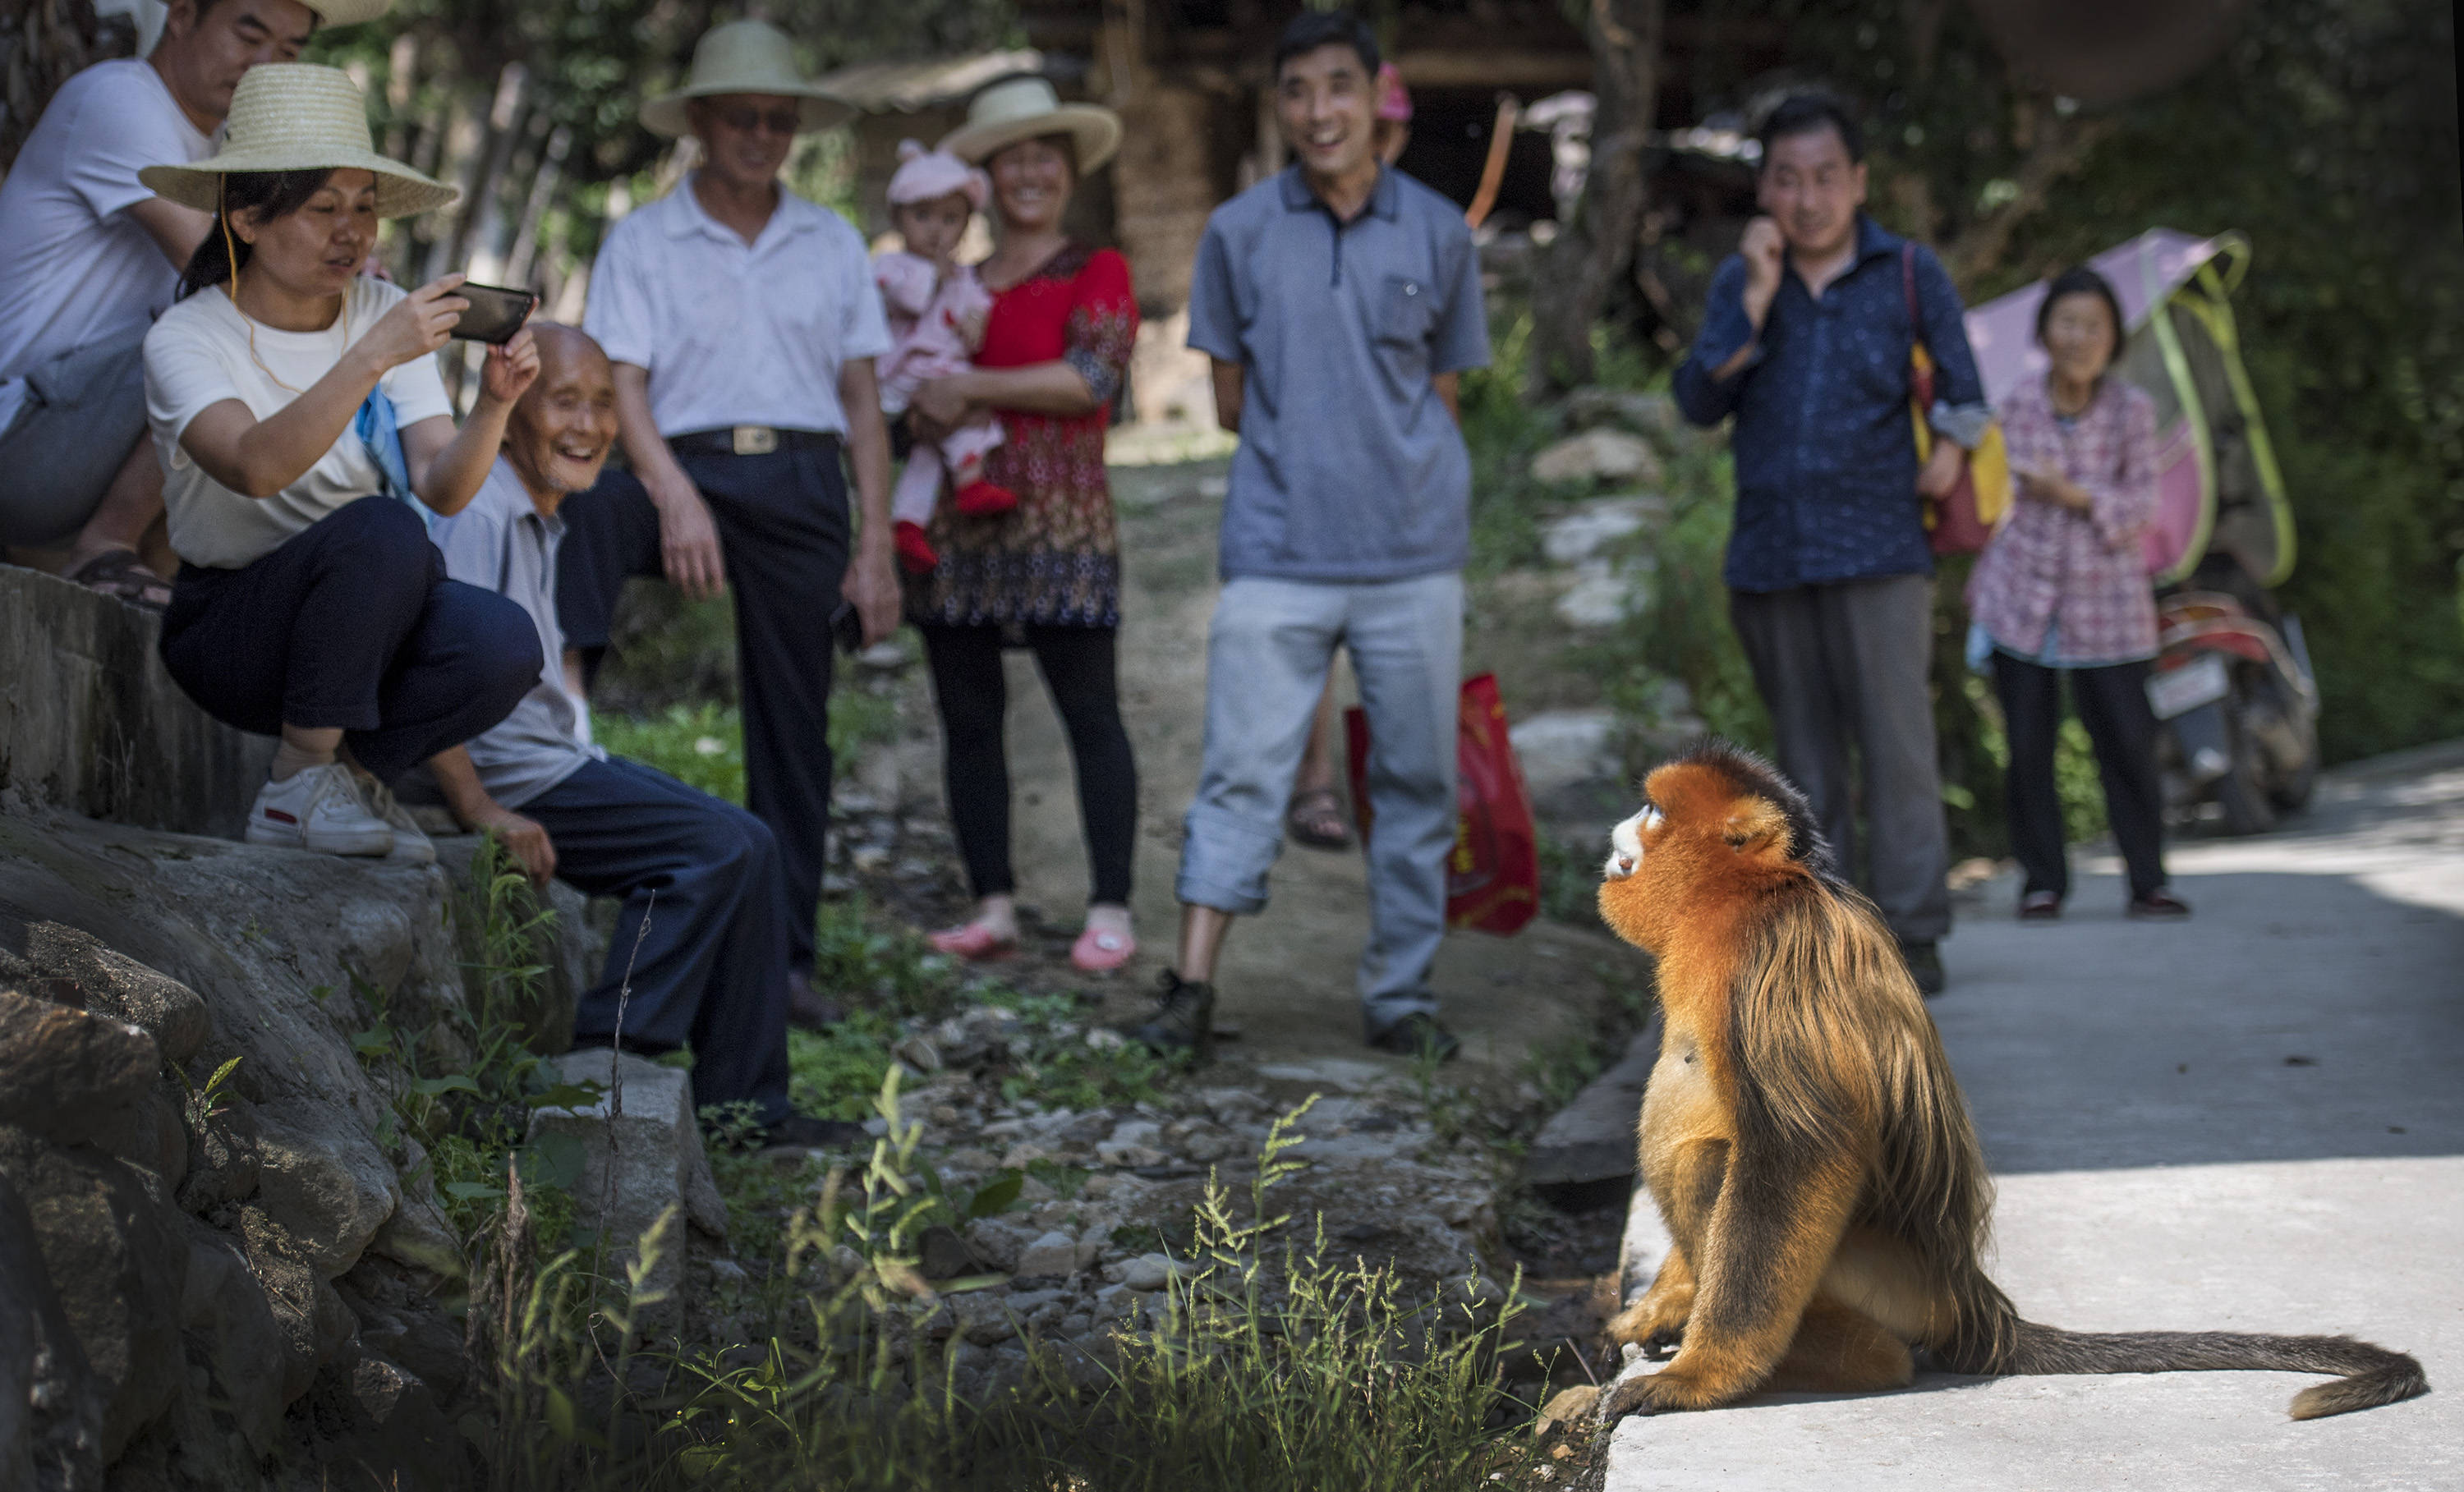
2064	589
1045	575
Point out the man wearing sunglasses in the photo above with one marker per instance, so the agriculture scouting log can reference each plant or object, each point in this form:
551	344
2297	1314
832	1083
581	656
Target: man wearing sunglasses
743	323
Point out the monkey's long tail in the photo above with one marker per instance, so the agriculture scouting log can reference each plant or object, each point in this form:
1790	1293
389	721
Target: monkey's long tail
2366	1377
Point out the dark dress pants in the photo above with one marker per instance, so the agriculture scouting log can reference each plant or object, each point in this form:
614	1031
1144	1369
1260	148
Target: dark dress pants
1845	662
351	623
2112	703
699	954
783	531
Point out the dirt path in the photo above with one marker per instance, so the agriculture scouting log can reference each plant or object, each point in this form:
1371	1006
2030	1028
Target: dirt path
1286	978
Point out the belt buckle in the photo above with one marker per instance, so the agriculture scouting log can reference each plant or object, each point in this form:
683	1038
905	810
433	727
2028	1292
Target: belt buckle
754	440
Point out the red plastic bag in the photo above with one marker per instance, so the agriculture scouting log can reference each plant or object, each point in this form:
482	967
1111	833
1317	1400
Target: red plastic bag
1493	871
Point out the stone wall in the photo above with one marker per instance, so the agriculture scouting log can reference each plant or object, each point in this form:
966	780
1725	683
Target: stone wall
194	1299
91	723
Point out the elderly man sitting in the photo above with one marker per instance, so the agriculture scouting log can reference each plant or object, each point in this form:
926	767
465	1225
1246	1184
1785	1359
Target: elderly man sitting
710	966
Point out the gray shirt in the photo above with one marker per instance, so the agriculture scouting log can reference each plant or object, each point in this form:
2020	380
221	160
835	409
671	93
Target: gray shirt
501	543
1350	468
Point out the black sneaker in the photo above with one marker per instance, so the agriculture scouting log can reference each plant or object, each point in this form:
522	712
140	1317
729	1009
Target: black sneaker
1183	1021
2158	906
805	1132
1925	966
1416	1035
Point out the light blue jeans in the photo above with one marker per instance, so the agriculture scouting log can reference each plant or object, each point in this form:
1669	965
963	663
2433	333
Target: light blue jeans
1267	658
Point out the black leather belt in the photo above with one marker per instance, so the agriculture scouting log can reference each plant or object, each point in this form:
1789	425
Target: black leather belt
749	440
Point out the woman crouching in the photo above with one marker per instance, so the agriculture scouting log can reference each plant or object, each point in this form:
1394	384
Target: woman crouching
298	414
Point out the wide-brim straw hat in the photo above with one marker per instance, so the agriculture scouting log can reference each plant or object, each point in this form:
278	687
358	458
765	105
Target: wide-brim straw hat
297	116
746	57
1026	108
347	12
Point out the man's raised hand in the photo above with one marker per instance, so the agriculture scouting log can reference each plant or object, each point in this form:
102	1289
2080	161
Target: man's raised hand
1766	254
510	369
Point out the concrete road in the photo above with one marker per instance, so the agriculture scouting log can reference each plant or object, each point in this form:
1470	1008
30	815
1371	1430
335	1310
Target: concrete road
2253	1121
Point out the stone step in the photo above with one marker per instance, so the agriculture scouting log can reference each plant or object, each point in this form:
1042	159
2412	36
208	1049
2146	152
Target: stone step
1591	1139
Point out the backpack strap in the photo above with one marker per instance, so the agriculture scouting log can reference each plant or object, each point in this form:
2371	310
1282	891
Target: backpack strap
1920	370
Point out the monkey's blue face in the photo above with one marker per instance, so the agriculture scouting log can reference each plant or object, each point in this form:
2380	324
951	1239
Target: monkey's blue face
1626	842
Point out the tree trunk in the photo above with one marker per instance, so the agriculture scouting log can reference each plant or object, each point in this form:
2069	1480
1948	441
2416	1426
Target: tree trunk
1591	251
42	43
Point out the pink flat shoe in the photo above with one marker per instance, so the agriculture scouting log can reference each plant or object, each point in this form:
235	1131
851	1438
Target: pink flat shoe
973	942
1102	953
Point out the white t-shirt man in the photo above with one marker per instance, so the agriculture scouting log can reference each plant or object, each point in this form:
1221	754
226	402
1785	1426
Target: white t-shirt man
200	354
735	333
76	269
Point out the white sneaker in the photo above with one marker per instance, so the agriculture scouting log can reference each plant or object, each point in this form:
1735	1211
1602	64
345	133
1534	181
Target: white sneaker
412	845
319	809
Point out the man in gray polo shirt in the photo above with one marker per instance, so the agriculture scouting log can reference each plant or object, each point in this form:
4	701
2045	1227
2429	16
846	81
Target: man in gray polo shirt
700	953
1339	300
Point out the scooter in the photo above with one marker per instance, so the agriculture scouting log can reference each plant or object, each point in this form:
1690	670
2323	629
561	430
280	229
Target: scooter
2238	703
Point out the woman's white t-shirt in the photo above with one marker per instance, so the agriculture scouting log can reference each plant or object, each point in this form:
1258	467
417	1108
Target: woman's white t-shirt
197	356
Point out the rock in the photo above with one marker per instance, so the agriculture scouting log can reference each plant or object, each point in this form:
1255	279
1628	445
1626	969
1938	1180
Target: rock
1562	747
388	1422
222	1160
999	1242
1150	1272
1052	1255
118	1264
330	1192
232	1334
108	733
293	1294
51	1404
1136	1132
917	1053
944	1254
1591	1139
66	1073
74	968
640	1150
970	1161
1648	413
983	1317
1601	596
1594	526
1566	1407
1598	455
1112	1153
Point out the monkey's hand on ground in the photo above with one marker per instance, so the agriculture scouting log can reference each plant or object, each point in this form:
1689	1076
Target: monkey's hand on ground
1666	1392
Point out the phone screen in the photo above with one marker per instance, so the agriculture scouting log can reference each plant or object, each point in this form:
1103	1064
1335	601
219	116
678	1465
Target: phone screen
495	313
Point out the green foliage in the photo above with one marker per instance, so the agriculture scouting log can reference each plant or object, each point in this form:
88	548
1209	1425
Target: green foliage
702	745
463	1086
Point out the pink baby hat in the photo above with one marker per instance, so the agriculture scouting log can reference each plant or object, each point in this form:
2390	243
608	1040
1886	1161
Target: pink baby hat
1394	100
923	175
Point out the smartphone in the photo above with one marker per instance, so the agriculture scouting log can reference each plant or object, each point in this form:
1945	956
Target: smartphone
848	628
495	313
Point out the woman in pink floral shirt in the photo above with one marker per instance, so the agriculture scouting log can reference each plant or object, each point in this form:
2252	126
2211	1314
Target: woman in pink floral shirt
2062	589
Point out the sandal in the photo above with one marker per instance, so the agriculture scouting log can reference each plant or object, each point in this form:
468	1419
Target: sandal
119	573
1102	953
1315	819
973	942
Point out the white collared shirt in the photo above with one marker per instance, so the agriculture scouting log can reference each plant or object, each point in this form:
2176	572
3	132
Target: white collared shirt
732	333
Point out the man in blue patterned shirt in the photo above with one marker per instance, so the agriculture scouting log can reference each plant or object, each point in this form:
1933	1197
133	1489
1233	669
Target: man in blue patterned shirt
1806	341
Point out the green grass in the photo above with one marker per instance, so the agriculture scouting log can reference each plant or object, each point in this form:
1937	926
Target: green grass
702	745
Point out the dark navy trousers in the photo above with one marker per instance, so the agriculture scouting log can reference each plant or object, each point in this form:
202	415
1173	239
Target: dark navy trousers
783	531
702	940
351	623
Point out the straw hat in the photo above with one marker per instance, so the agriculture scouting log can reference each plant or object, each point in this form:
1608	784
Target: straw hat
745	57
347	12
297	116
1026	108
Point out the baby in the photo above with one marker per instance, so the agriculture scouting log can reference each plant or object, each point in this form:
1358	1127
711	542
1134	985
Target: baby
936	309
